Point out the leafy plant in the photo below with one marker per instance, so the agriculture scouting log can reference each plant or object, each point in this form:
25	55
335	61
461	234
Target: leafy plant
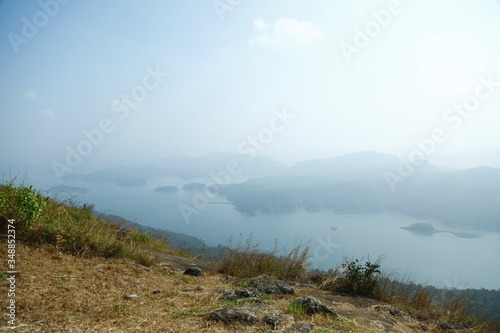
356	278
141	238
24	204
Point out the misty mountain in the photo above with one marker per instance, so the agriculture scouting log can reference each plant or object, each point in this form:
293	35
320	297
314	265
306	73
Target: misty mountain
468	160
186	168
356	166
467	198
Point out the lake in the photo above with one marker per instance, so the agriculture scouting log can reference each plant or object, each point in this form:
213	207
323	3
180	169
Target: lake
440	259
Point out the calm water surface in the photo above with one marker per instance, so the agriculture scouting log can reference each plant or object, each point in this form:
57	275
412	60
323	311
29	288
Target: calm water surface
441	259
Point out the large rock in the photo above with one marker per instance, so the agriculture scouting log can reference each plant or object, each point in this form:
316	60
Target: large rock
313	305
274	287
193	271
255	314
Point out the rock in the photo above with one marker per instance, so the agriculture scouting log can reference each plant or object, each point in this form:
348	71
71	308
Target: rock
170	268
424	328
301	328
255	314
394	312
240	293
200	288
193	271
243	314
303	285
143	267
313	305
220	290
263	277
137	282
274	287
131	296
464	324
276	319
189	290
448	326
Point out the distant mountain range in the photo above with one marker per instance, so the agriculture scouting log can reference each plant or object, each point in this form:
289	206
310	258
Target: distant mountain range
356	183
186	168
350	183
468	160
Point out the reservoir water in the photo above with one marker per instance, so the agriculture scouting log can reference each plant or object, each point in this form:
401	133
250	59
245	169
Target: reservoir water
440	259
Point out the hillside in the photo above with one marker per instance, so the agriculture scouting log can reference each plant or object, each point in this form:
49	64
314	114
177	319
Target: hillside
76	272
64	293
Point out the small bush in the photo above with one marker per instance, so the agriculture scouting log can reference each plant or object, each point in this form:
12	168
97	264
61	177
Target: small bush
23	204
141	238
354	278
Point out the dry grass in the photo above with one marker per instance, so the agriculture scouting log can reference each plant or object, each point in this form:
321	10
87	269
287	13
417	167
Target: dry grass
94	301
423	302
247	260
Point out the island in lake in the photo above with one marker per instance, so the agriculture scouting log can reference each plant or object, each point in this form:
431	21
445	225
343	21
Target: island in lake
166	189
428	229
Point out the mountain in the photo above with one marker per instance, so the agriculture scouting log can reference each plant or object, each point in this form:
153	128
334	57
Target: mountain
468	160
467	198
356	166
187	168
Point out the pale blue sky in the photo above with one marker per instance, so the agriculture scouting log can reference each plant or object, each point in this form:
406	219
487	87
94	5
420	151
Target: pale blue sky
226	77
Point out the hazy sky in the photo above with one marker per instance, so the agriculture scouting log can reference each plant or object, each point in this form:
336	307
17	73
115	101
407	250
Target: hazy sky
344	76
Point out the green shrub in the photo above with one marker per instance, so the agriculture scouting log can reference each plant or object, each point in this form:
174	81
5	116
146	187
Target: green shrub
356	278
138	237
24	204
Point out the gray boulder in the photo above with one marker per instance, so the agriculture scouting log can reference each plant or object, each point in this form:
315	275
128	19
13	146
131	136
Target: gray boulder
313	305
239	294
254	314
274	287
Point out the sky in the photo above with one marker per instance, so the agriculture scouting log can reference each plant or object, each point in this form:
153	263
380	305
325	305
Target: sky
92	84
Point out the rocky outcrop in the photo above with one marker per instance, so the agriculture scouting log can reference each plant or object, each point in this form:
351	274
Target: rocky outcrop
313	305
272	287
254	314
